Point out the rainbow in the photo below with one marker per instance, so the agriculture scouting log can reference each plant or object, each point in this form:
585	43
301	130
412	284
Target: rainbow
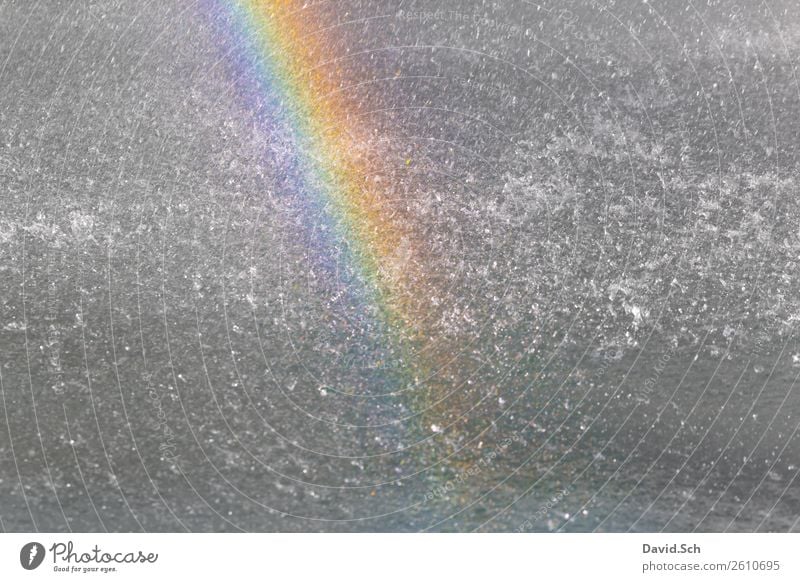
286	70
286	74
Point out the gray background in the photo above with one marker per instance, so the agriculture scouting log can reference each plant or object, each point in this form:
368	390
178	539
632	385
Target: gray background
608	192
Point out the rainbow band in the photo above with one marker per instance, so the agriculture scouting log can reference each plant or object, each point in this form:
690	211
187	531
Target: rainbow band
282	48
285	75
